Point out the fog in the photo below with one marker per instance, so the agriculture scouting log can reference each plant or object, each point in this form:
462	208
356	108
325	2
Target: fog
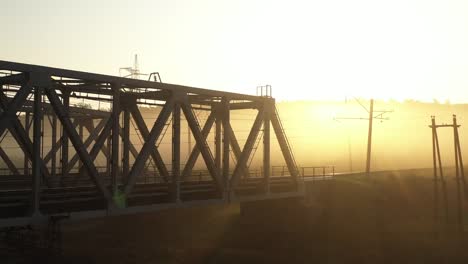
319	134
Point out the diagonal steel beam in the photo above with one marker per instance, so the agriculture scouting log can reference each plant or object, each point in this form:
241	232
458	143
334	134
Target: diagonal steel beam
8	162
22	138
9	112
283	143
57	145
132	148
201	143
99	144
94	133
101	139
156	156
249	144
196	151
77	143
149	145
236	148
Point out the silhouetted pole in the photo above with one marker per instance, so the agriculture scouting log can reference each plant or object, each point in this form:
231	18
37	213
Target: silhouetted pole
350	154
459	173
436	184
370	118
457	176
369	137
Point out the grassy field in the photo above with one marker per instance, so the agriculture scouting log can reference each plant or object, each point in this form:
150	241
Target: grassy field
385	219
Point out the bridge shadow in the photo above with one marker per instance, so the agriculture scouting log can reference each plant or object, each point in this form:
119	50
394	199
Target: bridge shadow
347	220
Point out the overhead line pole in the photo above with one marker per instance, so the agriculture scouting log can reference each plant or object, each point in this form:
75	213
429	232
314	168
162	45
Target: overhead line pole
371	117
369	137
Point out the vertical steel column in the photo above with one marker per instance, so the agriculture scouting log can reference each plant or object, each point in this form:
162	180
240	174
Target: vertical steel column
226	144
115	138
176	152
26	126
126	143
108	157
66	104
80	134
266	144
218	140
53	147
36	160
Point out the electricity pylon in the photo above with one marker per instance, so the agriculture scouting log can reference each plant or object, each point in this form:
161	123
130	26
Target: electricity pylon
132	72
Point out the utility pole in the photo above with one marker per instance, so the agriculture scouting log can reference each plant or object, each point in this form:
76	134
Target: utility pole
369	137
459	177
371	117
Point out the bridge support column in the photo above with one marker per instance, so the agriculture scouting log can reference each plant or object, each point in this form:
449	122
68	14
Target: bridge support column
266	145
66	104
118	198
126	144
218	145
176	153
115	140
80	134
53	146
226	145
36	175
26	127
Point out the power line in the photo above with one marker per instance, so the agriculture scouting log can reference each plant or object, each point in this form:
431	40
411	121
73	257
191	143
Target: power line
379	116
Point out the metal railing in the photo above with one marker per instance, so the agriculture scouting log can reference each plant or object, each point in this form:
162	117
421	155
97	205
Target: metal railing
318	172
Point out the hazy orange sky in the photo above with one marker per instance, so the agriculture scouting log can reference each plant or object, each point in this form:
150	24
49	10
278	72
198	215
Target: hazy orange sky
304	49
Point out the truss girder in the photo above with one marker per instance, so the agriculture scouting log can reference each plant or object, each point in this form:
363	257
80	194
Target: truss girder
11	166
248	147
77	142
236	149
155	155
94	133
201	143
22	138
148	146
11	108
196	151
282	141
62	88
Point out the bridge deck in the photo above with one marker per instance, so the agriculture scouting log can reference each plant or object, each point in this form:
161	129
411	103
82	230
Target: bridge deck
16	195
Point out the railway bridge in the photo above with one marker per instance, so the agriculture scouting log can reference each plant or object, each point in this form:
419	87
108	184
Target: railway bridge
90	164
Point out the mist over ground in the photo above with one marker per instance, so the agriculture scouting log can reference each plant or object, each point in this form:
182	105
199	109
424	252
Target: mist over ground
319	134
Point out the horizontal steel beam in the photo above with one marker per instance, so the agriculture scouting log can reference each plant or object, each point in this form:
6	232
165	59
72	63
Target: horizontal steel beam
14	79
125	82
28	104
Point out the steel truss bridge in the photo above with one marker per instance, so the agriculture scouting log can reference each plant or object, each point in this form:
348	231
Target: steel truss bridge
55	180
